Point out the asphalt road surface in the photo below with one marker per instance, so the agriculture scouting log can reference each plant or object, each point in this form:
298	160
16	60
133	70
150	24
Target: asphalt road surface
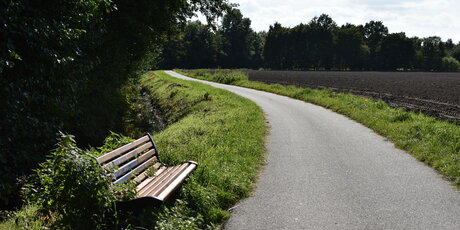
326	171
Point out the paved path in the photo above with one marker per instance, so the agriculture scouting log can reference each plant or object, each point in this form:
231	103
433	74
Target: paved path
326	171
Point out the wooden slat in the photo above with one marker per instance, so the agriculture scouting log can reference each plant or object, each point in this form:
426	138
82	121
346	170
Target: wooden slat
134	163
139	169
144	189
157	185
165	183
125	157
117	152
172	186
149	187
142	176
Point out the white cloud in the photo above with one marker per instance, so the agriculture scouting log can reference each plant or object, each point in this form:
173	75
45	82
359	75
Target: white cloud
420	18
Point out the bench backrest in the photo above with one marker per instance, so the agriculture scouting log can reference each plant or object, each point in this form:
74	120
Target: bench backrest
132	160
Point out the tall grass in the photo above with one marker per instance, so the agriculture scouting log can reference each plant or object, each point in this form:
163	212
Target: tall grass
223	132
434	142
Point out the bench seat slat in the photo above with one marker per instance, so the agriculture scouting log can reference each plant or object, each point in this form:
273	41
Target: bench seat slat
173	185
146	181
143	176
166	181
163	185
106	157
144	190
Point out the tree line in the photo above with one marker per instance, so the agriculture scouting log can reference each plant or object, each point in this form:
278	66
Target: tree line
319	45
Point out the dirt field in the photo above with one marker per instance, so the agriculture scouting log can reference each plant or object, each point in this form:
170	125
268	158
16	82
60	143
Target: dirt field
436	94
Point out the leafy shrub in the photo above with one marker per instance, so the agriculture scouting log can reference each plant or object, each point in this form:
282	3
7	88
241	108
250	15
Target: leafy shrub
178	218
224	76
228	77
450	64
71	187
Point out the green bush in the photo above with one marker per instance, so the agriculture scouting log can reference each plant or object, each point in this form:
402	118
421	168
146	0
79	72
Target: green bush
450	64
224	76
72	188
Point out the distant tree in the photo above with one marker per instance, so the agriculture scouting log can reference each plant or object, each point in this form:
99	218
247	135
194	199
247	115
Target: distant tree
299	47
173	51
276	47
321	38
396	51
432	53
455	52
449	45
256	52
200	46
349	47
235	44
374	32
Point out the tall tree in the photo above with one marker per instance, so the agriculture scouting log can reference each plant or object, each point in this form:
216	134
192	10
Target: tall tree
374	32
455	53
276	47
236	45
321	37
200	46
396	51
299	54
349	47
433	52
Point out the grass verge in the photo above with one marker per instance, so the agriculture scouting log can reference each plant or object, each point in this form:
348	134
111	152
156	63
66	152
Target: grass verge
223	132
434	142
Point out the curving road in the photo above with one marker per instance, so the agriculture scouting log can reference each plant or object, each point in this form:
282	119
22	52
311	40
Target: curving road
326	171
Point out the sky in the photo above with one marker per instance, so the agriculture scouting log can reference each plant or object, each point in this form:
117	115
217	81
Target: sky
421	18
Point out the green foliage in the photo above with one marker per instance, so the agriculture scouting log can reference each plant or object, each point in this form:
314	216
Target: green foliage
223	76
26	218
455	53
395	51
433	51
450	64
233	44
348	41
62	66
318	45
179	218
111	142
432	141
72	188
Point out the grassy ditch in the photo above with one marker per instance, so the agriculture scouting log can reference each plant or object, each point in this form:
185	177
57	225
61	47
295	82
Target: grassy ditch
434	142
223	132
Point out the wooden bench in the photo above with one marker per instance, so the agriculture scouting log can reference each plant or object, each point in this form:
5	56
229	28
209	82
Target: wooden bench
137	161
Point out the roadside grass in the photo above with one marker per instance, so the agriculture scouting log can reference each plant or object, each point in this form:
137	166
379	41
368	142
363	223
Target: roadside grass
434	142
221	131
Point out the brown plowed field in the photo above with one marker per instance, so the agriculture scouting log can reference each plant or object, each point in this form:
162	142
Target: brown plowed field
436	94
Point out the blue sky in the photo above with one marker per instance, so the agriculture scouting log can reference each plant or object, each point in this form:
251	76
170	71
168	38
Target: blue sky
420	18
